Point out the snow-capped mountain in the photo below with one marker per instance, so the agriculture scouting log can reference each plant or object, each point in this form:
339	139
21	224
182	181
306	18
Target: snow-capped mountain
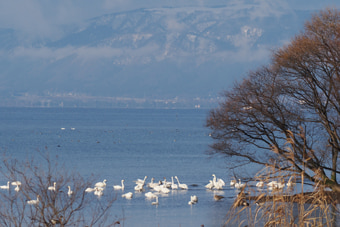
162	52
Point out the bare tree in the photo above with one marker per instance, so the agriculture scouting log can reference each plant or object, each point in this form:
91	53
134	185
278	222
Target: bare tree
30	202
295	99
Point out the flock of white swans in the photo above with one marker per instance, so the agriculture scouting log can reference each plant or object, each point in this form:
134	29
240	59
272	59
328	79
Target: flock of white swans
164	187
17	185
157	188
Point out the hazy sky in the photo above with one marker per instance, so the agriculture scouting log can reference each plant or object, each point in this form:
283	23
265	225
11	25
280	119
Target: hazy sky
42	19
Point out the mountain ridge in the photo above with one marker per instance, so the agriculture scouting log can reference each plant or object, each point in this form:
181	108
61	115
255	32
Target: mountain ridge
152	52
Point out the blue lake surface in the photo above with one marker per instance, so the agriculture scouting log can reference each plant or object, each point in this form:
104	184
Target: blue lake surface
128	144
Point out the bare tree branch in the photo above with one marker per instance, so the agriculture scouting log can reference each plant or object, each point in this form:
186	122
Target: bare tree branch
295	99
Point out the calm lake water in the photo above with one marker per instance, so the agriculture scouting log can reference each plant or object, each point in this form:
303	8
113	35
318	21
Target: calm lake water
128	144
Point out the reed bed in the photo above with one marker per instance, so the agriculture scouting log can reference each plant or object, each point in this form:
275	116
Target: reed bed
285	206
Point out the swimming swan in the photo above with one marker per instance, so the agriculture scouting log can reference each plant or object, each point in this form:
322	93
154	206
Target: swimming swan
5	186
139	187
101	184
16	183
140	184
281	185
272	184
173	185
119	187
70	192
128	195
140	181
150	195
33	202
210	185
193	200
239	185
158	188
260	184
181	186
152	184
17	188
98	191
166	184
218	183
52	188
290	183
156	202
164	189
89	189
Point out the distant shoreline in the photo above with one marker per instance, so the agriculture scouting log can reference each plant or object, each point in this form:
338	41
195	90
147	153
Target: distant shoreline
70	100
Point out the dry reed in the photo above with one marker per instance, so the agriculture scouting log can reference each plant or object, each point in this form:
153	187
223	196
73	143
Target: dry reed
286	206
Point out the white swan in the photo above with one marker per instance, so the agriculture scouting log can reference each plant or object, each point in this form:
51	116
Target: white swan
164	189
260	184
17	188
158	188
281	185
33	201
128	195
193	200
150	195
101	184
156	202
98	191
210	185
152	184
140	184
239	184
290	183
119	187
173	185
218	183
140	181
139	187
89	189
52	188
166	184
16	183
272	184
181	186
233	182
70	192
5	186
219	180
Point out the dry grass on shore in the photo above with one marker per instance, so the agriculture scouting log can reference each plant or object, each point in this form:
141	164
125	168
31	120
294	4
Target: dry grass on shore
288	206
308	197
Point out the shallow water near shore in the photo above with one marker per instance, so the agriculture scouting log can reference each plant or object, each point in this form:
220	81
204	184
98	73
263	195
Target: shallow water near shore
116	144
